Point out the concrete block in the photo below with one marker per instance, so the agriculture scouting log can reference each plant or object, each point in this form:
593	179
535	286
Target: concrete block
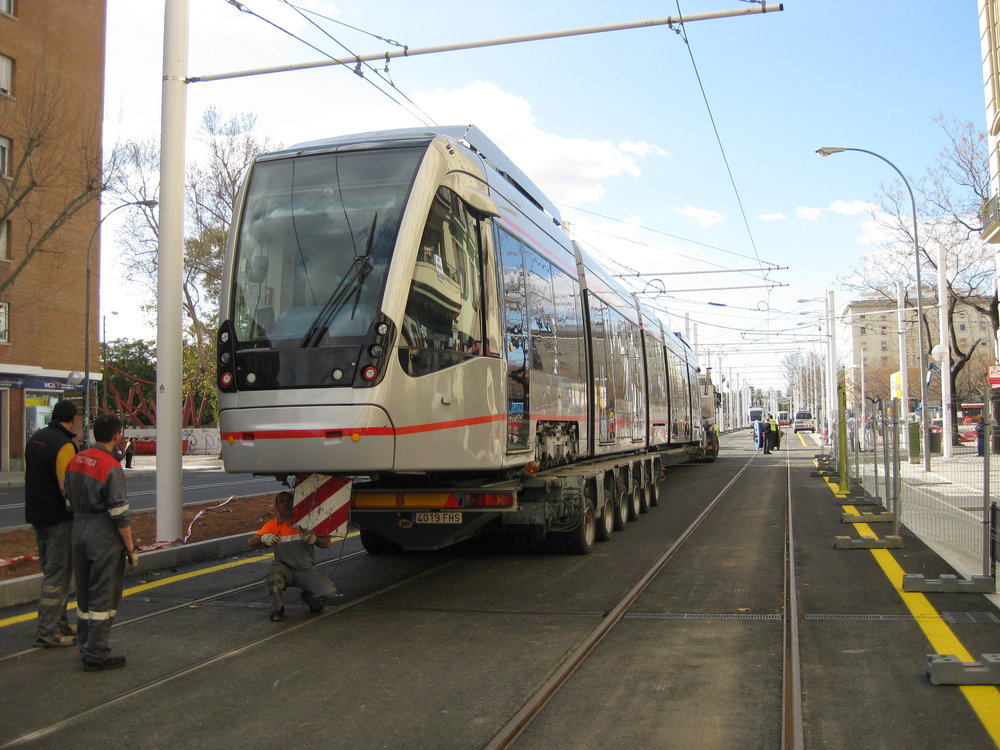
950	584
884	517
948	669
868	542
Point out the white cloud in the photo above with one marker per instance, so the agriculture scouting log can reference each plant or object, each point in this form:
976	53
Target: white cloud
772	217
568	170
641	148
703	217
844	208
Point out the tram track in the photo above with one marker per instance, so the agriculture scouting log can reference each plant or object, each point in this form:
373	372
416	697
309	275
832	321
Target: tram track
564	671
221	656
187	604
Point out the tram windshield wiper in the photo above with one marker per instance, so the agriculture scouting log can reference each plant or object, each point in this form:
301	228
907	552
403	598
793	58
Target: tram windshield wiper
359	269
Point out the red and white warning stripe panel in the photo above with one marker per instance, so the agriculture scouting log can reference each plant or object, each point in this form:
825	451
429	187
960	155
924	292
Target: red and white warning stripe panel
322	504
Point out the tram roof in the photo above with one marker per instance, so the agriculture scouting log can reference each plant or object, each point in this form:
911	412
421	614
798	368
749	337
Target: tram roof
470	134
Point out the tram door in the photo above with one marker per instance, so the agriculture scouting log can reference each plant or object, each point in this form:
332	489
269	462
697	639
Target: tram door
516	344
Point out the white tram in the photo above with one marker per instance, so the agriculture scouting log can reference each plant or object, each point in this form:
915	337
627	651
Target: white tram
404	306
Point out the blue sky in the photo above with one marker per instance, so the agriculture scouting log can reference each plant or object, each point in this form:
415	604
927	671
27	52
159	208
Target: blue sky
614	124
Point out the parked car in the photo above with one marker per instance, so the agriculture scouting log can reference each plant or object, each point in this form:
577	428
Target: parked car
804	420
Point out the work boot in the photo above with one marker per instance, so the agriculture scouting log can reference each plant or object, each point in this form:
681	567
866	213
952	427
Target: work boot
55	640
99	665
312	607
277	615
67	629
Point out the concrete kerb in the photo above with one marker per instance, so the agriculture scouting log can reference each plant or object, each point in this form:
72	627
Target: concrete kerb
27	588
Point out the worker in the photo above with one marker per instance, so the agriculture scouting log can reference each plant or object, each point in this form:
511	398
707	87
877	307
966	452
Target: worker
294	560
102	541
48	452
770	427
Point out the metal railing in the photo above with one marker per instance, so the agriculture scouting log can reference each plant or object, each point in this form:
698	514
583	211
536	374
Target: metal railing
952	508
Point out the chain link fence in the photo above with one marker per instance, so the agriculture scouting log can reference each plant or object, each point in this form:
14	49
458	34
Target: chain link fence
953	507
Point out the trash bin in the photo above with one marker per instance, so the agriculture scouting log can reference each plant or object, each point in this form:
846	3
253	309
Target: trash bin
934	439
913	441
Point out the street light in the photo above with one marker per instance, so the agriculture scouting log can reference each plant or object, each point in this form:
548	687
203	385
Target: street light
921	337
86	317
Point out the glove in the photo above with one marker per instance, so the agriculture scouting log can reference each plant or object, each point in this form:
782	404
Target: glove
269	540
307	536
132	559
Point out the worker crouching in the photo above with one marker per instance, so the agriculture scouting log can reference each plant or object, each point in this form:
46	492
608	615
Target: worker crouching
294	560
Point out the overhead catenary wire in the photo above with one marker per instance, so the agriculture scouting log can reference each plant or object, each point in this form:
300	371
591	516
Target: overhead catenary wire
243	8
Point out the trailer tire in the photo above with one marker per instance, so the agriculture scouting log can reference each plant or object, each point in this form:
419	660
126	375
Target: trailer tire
644	499
621	511
634	503
607	522
654	493
378	545
580	541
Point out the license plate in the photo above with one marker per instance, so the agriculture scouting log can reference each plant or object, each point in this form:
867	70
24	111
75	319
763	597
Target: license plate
437	517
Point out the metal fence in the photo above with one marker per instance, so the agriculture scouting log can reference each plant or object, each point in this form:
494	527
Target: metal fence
953	506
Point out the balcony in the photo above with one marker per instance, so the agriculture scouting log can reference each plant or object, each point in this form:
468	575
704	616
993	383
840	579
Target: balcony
990	215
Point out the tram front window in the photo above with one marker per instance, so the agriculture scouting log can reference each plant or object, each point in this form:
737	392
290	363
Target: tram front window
315	243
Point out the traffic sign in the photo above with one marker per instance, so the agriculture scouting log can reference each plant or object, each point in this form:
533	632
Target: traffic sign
993	376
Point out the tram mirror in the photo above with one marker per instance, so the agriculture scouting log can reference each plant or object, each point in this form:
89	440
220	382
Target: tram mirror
480	202
257	268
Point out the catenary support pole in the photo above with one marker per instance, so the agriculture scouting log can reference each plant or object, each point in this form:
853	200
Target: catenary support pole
170	262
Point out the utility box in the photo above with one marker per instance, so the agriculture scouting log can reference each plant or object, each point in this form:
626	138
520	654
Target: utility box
913	441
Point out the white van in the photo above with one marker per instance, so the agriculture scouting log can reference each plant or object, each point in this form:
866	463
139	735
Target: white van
804	420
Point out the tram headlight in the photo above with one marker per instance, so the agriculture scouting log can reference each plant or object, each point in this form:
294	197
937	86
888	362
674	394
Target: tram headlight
375	350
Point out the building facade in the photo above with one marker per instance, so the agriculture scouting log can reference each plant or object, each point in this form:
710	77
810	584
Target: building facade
872	325
51	108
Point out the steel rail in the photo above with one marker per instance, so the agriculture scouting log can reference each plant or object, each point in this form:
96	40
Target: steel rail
523	717
217	658
792	735
185	605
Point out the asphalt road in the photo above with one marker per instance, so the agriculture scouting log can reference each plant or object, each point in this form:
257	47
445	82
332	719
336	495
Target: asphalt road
197	487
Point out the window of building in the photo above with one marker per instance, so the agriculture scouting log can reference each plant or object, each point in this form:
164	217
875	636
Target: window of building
961	326
885	346
863	330
3	322
6	75
4	157
8	7
885	360
5	240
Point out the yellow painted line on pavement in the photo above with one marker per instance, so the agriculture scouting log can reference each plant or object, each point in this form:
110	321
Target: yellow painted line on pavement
984	699
132	591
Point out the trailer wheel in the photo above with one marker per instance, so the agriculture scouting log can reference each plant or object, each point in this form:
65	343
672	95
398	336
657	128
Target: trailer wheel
653	488
644	499
607	522
621	511
378	545
580	541
633	504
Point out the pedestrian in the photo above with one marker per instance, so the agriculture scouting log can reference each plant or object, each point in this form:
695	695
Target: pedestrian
46	456
102	541
770	427
129	452
294	560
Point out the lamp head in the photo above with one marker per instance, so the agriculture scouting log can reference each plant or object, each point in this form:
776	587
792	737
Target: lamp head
827	150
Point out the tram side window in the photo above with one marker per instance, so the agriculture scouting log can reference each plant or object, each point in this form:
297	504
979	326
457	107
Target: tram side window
542	312
443	322
516	343
569	326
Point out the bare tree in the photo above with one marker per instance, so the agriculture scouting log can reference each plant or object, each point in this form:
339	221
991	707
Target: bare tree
948	198
53	169
213	183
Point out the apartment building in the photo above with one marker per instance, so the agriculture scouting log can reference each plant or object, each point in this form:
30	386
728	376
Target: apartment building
51	107
873	336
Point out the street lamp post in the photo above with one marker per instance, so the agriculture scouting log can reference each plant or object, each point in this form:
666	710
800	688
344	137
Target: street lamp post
921	336
86	317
